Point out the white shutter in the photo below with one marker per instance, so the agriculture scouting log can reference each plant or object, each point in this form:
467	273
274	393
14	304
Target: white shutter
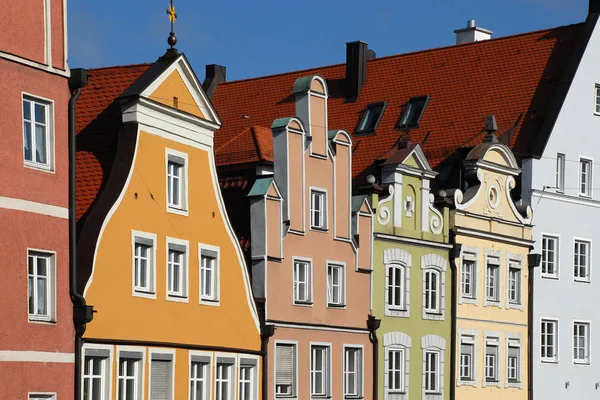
160	380
284	358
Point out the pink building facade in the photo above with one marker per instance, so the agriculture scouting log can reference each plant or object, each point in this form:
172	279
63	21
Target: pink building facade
36	327
312	256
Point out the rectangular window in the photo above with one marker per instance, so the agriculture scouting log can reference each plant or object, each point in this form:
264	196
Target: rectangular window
42	396
302	282
597	97
352	372
371	117
513	362
514	285
285	376
246	382
581	260
581	342
335	285
95	378
396	282
585	177
40	274
143	264
223	381
319	371
549	256
161	378
209	275
37	133
467	358
432	372
177	270
432	291
549	340
199	380
395	370
318	209
491	360
560	172
176	181
492	282
129	378
413	112
467	279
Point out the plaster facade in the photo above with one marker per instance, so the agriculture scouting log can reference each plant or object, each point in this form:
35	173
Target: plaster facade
492	278
410	240
309	272
192	310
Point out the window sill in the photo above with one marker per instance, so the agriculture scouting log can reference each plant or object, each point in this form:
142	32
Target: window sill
210	302
467	382
577	362
492	303
41	320
354	397
178	211
585	196
336	306
434	313
303	303
39	167
285	396
549	361
581	280
144	294
317	229
177	298
554	277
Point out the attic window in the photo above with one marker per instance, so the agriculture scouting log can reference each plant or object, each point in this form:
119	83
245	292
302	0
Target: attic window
413	112
371	117
175	102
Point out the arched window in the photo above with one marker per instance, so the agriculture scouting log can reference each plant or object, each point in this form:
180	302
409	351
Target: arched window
432	291
396	287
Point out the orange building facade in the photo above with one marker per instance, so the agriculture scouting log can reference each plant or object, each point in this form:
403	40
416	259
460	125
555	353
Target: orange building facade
309	272
157	258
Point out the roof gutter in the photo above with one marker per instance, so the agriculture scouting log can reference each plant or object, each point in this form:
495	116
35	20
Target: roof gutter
82	313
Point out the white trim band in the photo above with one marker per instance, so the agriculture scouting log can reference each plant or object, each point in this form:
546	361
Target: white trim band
34	207
36	356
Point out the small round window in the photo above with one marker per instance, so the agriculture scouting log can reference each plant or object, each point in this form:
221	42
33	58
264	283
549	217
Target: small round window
494	196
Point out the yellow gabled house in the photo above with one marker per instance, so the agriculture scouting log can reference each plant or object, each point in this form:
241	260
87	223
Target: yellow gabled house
157	258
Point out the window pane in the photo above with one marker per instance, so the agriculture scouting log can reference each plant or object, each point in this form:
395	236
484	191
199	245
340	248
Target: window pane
40	113
40	143
27	139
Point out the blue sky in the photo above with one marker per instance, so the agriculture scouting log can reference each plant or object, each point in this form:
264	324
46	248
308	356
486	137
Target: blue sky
260	37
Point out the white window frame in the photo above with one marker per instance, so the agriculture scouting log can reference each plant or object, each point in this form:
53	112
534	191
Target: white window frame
546	237
402	353
471	254
431	292
437	371
391	270
588	257
205	250
251	362
308	285
491	339
560	172
178	245
205	359
436	265
597	99
50	316
358	371
493	258
144	238
50	134
433	344
589	177
229	361
177	157
294	387
514	262
105	353
322	224
139	355
397	342
587	339
160	354
554	344
341	303
469	338
316	346
514	341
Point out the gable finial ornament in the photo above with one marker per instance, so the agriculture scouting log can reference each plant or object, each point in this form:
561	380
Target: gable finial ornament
172	18
491	127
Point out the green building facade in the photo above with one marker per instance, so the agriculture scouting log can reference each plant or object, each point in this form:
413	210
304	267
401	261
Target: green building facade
411	281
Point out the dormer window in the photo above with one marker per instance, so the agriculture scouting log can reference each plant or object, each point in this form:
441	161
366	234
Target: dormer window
371	117
413	112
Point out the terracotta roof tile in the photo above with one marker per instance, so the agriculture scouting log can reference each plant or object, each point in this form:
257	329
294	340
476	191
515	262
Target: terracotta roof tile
513	78
98	121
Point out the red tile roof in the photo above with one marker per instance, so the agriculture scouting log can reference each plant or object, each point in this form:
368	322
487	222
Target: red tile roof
98	120
512	77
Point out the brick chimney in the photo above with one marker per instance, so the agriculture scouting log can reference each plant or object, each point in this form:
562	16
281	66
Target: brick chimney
472	33
357	55
215	74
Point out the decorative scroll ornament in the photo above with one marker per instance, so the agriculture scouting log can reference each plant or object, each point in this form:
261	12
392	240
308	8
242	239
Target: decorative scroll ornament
409	206
384	215
436	221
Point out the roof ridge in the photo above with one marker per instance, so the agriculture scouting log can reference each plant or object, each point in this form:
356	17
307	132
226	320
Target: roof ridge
122	66
321	68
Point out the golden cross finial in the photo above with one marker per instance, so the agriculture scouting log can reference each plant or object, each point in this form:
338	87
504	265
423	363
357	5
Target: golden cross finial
172	17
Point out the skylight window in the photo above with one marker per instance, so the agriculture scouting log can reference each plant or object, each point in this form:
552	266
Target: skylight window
371	118
413	112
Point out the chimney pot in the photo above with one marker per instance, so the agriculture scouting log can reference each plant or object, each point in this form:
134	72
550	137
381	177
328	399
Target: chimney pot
471	23
472	33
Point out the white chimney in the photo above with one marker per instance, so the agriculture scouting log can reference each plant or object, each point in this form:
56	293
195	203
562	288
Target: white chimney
472	33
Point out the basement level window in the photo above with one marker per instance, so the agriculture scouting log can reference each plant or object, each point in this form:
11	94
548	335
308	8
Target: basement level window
413	112
371	117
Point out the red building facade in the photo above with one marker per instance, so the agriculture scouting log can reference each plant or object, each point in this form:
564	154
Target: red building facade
36	327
